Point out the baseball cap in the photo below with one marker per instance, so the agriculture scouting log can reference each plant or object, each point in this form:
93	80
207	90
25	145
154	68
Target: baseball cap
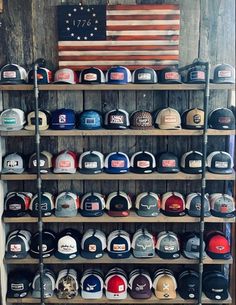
222	205
220	162
188	284
116	163
65	162
44	76
48	284
68	244
140	284
47	205
223	74
63	119
92	76
18	284
89	119
65	76
164	285
168	118
92	205
116	287
215	285
193	118
118	204
196	74
143	244
221	119
12	119
16	204
116	119
191	162
91	162
217	245
118	244
48	246
93	244
118	75
13	163
45	162
17	245
141	119
193	205
167	162
144	76
142	162
13	74
148	204
167	245
173	204
66	205
44	117
92	284
170	75
67	285
191	246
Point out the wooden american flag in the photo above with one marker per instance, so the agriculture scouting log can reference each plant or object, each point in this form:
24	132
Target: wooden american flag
129	35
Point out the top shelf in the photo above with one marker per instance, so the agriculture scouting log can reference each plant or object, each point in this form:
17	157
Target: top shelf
80	87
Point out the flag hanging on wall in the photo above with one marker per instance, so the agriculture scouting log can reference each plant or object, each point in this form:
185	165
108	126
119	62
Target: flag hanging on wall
107	35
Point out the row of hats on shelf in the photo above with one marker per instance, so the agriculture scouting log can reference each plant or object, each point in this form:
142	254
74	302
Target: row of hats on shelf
166	118
142	162
69	244
15	74
93	204
116	283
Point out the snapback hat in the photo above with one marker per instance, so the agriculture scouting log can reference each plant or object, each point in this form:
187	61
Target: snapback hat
191	246
142	162
221	119
173	204
143	244
222	205
12	119
93	244
167	162
66	205
118	244
193	119
91	162
165	285
63	119
220	162
167	245
44	76
65	76
16	204
92	205
18	284
170	75
144	76
67	285
116	119
116	287
47	205
118	75
92	76
168	118
48	284
215	285
92	284
45	162
118	204
116	163
224	74
140	284
218	246
44	118
65	162
191	162
196	74
141	119
148	204
13	74
17	245
89	119
68	244
188	284
193	205
48	246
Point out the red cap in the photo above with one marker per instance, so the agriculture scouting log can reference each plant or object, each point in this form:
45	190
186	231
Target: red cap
218	247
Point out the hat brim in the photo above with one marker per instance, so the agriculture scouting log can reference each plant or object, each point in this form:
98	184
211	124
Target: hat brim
14	213
136	295
66	256
42	170
212	296
16	128
196	82
45	255
64	171
119	255
168	127
16	256
71	213
9	82
224	256
90	255
116	127
91	295
171	82
118	213
37	294
220	171
12	171
166	255
90	171
32	127
198	213
66	127
191	170
168	170
192	127
222	81
15	294
173	214
193	255
44	214
142	128
64	82
91	213
142	170
144	254
161	295
223	215
116	296
147	213
115	171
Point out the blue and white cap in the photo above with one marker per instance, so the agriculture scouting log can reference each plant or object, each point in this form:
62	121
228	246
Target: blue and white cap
118	75
117	163
63	119
118	244
92	205
93	244
92	284
89	119
17	245
68	244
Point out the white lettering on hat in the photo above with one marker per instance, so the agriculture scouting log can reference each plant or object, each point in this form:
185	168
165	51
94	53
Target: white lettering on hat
143	164
117	75
195	163
62	118
170	119
119	247
224	73
14	206
90	76
41	163
168	163
90	164
63	76
144	76
116	119
17	287
12	163
65	163
221	164
117	163
9	74
171	75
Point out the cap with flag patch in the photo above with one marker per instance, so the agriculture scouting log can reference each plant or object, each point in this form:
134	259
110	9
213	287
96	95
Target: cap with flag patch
144	76
65	162
173	204
91	162
141	119
45	162
44	76
63	119
196	74
116	119
92	75
66	205
167	162
143	244
13	74
117	163
118	75
215	285
48	246
191	246
148	204
48	279
221	119
17	245
65	76
67	285
191	162
224	74
218	246
68	244
193	205
116	286
188	284
164	284
118	204
222	205
93	244
193	119
12	119
170	75
168	118
140	284
92	205
220	162
142	162
92	284
47	205
118	244
16	204
44	118
167	245
89	119
18	284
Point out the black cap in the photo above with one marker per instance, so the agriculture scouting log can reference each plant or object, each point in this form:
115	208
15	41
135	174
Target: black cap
142	162
144	76
215	285
188	284
92	76
18	284
16	204
117	119
220	162
196	74
222	119
167	162
191	162
224	74
170	75
91	162
48	246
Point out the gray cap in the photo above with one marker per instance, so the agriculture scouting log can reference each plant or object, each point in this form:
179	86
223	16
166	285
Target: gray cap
143	244
147	204
192	247
168	245
66	205
48	284
12	119
13	163
193	205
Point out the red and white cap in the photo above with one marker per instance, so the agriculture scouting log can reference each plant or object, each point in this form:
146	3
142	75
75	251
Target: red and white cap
116	287
65	76
65	162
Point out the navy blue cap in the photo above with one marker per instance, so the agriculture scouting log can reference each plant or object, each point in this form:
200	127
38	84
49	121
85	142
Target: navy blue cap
63	119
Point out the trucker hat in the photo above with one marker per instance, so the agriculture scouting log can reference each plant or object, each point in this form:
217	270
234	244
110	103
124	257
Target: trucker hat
116	119
118	75
191	162
168	118
217	245
164	284
142	162
193	205
118	204
48	284
44	76
116	163
12	119
47	205
65	162
92	284
191	246
13	163
118	244
91	162
66	205
63	119
221	119
17	245
45	162
215	285
92	205
13	74
16	204
148	204
140	284
67	286
92	75
18	284
144	75
220	162
89	119
222	205
48	246
170	75
188	284
116	286
173	204
167	245
143	244
141	119
223	74
44	118
193	118
68	244
93	244
167	162
65	76
196	74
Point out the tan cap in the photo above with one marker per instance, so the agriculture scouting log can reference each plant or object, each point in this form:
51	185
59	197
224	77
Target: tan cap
168	118
165	287
43	120
193	118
